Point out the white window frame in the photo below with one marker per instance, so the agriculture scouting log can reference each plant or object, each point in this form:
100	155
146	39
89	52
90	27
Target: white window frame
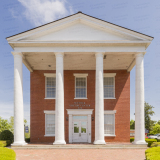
110	112
110	75
48	112
80	75
48	75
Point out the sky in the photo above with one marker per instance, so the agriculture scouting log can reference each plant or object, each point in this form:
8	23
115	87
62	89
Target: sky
20	15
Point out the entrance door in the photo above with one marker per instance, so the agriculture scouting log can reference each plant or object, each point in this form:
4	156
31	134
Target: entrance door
80	129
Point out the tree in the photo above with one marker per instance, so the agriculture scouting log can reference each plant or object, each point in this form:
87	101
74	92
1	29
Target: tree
156	129
148	113
132	124
11	122
4	125
158	122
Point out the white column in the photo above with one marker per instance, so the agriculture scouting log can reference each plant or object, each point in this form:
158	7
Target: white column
18	101
59	116
139	101
99	108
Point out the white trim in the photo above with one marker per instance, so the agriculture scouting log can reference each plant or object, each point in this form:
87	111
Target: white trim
109	98
110	112
80	98
109	74
49	112
50	74
49	135
49	98
80	74
79	111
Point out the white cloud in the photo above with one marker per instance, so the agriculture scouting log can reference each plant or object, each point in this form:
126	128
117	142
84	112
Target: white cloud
39	12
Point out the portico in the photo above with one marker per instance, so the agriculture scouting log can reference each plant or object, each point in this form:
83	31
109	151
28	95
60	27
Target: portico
79	51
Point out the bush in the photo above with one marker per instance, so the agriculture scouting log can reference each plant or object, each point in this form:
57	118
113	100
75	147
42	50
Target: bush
3	144
6	135
153	153
158	140
7	154
131	140
27	140
149	141
155	144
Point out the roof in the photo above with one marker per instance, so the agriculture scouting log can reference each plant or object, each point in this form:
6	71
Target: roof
73	15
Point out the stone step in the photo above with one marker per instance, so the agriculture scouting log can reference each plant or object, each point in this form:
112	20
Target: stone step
112	146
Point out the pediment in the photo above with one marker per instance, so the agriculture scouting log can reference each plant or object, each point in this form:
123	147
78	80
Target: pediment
79	27
81	32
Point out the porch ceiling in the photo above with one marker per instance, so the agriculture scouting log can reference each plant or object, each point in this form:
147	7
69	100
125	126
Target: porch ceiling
78	61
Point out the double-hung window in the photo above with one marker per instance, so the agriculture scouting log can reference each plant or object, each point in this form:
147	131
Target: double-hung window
50	85
109	123
49	123
109	85
80	86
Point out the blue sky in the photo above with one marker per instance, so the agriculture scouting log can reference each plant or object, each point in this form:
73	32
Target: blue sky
19	15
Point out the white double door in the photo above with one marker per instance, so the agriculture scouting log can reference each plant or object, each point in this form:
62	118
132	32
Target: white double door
80	129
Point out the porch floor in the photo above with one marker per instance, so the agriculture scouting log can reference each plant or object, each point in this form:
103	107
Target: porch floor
81	146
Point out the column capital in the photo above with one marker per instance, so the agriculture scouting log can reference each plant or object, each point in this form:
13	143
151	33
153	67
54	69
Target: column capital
140	54
17	53
59	54
99	54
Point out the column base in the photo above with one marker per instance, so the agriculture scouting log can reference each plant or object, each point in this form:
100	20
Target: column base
99	142
59	142
140	142
20	143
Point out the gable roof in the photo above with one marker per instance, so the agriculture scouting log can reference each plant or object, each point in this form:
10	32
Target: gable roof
76	14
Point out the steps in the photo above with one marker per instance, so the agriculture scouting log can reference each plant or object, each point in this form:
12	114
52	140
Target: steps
81	146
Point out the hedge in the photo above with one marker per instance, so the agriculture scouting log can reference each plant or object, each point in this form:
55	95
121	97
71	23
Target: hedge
3	143
6	135
7	154
149	141
27	140
153	153
155	144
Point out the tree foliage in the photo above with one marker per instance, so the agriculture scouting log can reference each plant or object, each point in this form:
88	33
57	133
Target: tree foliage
156	129
148	113
132	124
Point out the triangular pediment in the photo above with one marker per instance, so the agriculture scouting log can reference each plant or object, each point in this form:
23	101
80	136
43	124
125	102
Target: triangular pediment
79	27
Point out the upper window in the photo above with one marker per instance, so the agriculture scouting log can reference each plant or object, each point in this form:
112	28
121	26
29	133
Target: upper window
50	85
109	123
80	86
109	85
49	123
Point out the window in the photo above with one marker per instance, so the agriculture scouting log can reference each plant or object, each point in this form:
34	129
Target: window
80	86
109	123
50	86
49	123
109	85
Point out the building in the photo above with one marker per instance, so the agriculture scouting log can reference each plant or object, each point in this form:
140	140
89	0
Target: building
80	81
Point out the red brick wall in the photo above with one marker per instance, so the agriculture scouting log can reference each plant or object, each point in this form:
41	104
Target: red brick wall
121	104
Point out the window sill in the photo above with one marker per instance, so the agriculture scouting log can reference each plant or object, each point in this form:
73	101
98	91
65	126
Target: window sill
80	98
49	135
49	98
110	98
107	135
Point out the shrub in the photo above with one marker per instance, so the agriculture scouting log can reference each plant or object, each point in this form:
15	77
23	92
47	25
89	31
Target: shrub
131	139
155	144
27	140
150	141
7	154
6	135
153	153
3	143
158	140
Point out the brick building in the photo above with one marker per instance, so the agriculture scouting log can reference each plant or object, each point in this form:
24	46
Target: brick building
79	81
